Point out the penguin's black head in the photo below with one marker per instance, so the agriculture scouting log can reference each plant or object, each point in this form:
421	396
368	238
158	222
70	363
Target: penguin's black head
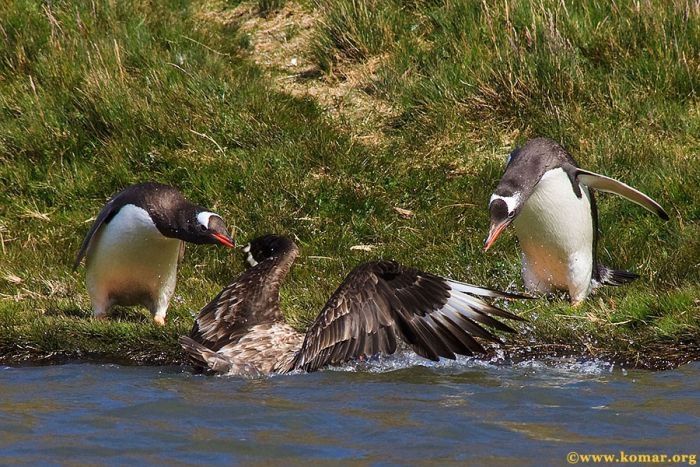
524	169
172	214
501	217
268	246
506	202
197	225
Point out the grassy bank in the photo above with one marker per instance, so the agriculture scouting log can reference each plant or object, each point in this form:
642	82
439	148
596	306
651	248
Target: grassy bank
320	120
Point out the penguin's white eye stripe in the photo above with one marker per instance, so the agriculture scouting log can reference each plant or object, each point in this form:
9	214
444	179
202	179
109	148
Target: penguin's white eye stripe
203	217
511	201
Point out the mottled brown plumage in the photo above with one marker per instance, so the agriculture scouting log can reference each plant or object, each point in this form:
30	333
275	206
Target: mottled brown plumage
379	303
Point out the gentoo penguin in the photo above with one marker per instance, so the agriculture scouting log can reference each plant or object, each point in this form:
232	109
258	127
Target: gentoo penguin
242	331
133	248
550	202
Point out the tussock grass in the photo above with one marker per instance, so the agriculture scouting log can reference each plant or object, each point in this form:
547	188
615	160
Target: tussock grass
357	29
268	7
95	97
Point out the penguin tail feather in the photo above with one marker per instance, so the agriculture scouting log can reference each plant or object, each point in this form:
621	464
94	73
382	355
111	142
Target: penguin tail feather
614	277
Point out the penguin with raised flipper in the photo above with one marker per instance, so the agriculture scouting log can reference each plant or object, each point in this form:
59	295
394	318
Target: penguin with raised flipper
549	201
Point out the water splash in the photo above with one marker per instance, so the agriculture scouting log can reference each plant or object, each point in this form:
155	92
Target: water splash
555	366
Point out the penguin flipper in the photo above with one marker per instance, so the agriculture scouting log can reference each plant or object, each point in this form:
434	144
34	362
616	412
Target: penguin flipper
108	212
610	185
614	277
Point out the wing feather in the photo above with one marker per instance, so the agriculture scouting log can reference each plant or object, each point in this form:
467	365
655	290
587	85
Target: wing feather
467	324
108	211
380	301
477	312
460	328
452	333
483	291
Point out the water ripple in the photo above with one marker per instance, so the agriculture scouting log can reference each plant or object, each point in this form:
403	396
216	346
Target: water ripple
402	409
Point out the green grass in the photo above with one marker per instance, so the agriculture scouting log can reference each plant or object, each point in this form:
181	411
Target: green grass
94	99
268	7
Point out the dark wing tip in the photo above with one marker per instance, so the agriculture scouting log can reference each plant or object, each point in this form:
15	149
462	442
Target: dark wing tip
514	296
484	291
514	317
662	214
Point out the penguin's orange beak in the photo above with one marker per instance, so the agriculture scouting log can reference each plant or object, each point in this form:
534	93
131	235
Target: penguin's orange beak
224	240
494	232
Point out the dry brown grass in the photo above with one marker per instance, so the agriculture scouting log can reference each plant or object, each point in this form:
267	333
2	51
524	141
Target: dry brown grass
281	44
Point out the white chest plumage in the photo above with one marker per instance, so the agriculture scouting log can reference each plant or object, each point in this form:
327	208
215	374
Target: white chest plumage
555	231
130	262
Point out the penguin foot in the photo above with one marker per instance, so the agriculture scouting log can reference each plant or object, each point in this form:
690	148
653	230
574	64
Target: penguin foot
159	320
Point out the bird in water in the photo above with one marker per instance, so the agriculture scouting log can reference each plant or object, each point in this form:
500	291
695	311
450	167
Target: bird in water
134	246
550	202
380	303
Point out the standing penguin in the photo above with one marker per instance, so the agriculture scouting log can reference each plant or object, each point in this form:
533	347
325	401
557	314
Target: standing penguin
548	199
133	248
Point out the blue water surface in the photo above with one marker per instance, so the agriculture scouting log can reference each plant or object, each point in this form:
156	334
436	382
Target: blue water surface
398	411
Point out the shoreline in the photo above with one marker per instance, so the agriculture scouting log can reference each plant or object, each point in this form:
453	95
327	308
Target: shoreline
651	354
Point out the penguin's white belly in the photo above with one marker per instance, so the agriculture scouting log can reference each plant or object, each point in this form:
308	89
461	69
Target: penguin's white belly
555	231
130	262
